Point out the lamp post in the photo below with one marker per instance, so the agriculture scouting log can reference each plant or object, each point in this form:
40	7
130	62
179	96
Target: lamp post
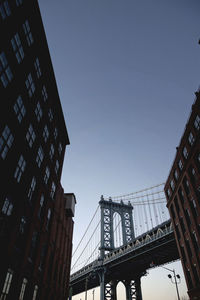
175	279
93	294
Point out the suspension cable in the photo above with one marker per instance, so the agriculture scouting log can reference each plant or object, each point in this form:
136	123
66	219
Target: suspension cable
86	245
85	231
134	193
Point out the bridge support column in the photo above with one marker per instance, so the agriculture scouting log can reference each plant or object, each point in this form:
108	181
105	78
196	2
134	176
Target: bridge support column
133	289
110	290
102	284
107	290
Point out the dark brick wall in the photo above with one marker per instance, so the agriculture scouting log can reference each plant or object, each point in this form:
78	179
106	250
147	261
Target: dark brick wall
182	190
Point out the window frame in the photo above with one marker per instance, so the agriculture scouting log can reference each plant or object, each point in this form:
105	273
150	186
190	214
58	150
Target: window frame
20	169
6	141
17	48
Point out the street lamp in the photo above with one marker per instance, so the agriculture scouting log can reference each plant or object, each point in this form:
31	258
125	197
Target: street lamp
175	276
93	294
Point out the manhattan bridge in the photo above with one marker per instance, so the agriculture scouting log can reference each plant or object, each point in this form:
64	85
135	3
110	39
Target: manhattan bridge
126	236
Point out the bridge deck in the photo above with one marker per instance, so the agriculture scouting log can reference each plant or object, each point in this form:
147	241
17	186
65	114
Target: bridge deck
126	262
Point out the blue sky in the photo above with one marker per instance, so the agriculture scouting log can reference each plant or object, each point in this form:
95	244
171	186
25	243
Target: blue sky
126	73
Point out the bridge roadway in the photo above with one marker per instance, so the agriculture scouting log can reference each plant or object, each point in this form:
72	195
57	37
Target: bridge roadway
128	261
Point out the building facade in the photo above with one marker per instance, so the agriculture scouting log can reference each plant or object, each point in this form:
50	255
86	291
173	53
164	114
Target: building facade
182	190
35	214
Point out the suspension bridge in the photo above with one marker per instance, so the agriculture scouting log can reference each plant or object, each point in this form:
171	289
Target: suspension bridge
126	236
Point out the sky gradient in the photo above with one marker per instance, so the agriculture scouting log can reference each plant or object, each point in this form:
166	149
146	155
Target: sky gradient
126	73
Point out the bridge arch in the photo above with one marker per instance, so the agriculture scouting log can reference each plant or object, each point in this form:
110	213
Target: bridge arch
120	291
117	230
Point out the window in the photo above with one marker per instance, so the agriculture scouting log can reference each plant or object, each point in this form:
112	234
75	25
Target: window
194	207
32	188
195	241
51	152
55	133
7	207
172	185
44	93
176	174
40	156
191	139
50	114
188	218
19	109
38	112
6	141
28	33
186	186
189	248
33	245
47	174
19	2
37	68
30	135
53	189
57	166
181	195
30	85
168	192
198	158
35	292
5	10
24	283
193	175
5	71
7	283
48	219
22	225
20	168
41	206
193	172
180	164
45	133
185	152
60	148
197	122
17	47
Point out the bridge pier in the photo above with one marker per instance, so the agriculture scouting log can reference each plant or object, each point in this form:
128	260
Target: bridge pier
133	289
101	274
110	290
107	290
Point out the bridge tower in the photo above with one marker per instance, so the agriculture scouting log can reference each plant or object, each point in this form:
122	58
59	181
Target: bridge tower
108	208
107	287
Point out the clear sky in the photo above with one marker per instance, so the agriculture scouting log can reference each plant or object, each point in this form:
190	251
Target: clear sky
126	72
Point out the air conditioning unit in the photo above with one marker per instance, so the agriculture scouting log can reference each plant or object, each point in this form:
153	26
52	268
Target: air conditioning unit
70	201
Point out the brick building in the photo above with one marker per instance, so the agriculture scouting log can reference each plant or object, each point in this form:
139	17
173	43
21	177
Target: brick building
182	190
35	214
